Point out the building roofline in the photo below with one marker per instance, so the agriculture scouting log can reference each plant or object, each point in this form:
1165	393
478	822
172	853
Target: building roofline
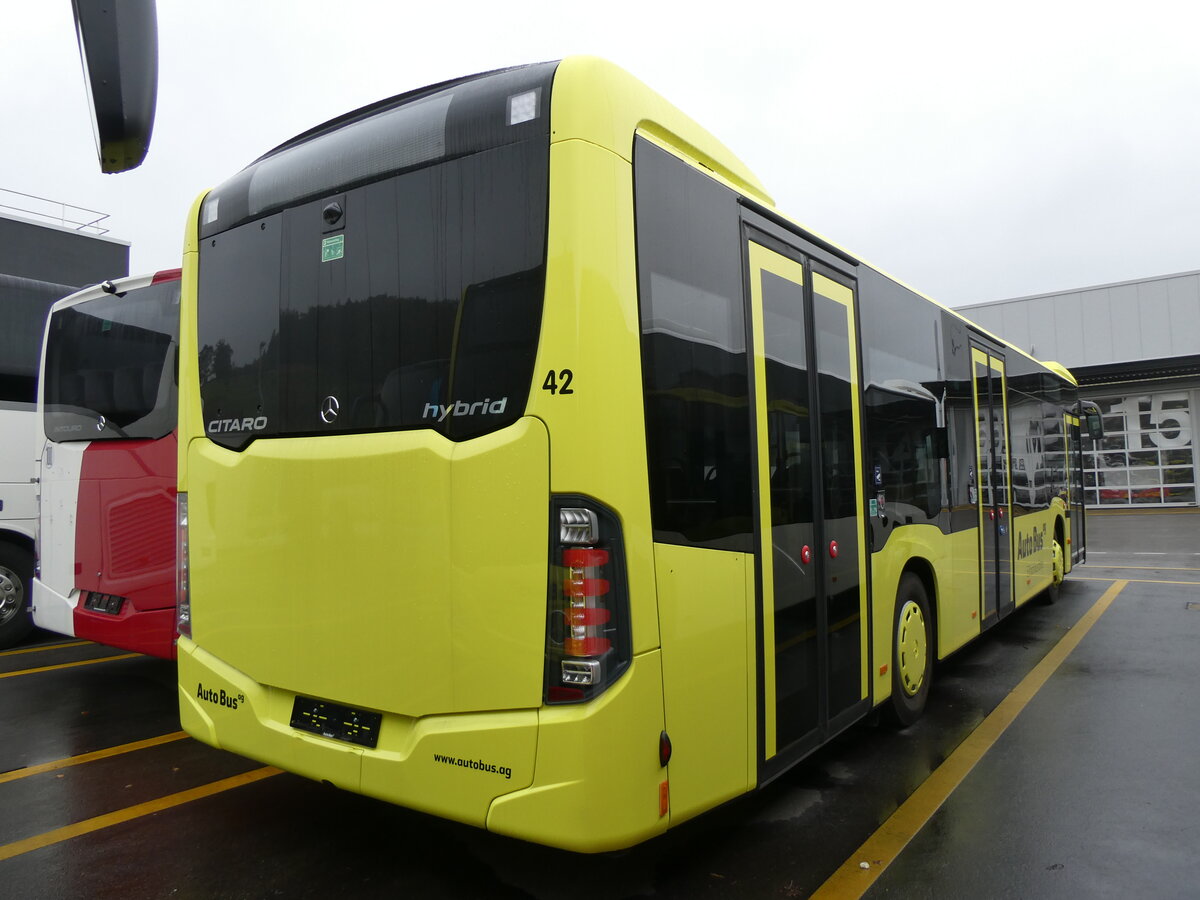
54	227
1081	290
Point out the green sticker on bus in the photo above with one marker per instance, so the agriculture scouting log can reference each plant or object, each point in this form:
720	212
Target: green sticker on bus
333	247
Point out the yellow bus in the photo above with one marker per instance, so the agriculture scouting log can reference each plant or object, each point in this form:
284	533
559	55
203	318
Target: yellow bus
537	473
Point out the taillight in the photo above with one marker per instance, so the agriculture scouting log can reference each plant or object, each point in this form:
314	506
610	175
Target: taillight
183	604
166	275
587	630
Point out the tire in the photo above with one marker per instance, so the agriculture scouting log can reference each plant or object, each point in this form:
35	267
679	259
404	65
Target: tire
1050	595
912	659
16	577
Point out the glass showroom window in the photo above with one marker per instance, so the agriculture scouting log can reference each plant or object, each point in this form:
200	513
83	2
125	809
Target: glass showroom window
1146	456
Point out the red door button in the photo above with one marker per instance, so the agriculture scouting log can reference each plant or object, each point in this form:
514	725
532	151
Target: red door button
833	551
806	554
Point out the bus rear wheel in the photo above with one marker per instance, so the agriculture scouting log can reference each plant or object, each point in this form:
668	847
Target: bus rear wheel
912	660
16	573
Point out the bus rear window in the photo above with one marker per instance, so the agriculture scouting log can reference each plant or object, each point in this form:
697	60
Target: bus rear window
110	366
412	302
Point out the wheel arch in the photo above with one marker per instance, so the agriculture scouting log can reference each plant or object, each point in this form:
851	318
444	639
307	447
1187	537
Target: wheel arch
16	621
17	539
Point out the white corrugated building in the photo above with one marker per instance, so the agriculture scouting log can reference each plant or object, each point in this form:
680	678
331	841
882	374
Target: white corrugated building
1135	349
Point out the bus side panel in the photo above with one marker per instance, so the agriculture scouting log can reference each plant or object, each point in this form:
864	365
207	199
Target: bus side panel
955	560
598	782
591	330
706	615
17	468
1033	552
958	600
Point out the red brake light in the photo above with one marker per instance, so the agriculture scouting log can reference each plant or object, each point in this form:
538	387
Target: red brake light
584	557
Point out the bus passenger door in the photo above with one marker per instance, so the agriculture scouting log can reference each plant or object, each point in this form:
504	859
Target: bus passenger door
992	488
1075	537
811	552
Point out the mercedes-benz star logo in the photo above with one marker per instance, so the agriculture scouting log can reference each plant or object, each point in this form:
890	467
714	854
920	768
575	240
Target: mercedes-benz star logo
329	409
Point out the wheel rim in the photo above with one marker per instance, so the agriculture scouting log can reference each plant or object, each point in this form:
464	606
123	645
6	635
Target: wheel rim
1057	563
910	647
11	594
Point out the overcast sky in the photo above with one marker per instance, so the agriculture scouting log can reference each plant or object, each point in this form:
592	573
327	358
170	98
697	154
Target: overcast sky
975	151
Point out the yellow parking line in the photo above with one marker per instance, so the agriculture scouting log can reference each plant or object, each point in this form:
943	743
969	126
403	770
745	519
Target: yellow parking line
70	665
860	871
1159	568
91	757
1135	580
87	826
40	647
1168	511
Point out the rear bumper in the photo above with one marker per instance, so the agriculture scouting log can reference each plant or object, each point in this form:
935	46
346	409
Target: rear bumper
584	778
150	631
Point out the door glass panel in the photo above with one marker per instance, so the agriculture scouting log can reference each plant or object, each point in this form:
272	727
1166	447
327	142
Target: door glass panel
810	490
987	528
995	510
841	499
1001	482
789	461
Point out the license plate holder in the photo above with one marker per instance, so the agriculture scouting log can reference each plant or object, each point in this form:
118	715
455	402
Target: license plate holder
340	723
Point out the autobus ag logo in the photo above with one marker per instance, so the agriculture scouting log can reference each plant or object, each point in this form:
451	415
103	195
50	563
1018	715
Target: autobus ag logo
219	697
222	426
1029	544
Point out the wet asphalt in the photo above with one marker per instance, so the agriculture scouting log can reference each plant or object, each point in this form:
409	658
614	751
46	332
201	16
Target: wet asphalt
1092	791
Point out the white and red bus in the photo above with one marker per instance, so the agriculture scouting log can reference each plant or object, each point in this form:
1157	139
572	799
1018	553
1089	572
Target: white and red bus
107	402
24	305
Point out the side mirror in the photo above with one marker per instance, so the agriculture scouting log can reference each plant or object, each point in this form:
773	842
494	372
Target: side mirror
118	45
1095	426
